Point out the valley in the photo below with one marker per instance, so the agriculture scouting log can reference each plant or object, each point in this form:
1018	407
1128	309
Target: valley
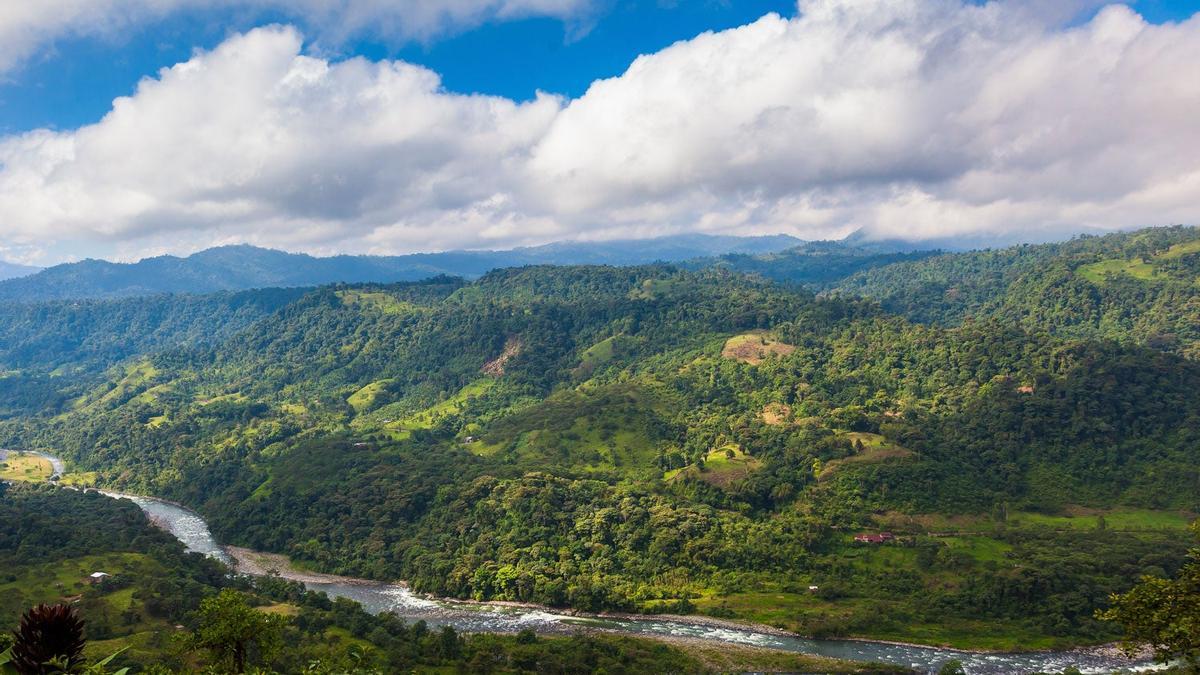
511	617
654	440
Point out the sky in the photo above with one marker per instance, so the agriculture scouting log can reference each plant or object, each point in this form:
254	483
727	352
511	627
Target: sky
131	128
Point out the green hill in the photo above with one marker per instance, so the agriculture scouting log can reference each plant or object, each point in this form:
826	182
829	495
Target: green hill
655	439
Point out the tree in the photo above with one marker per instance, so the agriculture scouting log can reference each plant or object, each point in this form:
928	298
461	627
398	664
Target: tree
1163	614
230	628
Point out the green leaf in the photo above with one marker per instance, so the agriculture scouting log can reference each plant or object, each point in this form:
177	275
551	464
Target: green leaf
6	667
108	659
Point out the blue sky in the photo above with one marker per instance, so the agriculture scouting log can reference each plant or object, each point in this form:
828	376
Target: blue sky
140	127
75	80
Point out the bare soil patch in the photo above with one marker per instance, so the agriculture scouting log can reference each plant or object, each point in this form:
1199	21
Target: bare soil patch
495	367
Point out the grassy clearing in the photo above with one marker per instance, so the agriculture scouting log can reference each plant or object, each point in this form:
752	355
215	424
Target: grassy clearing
23	467
754	348
982	549
1072	518
142	647
875	449
29	585
136	377
993	634
1098	272
1123	520
375	301
64	580
1136	268
365	399
282	609
1180	250
78	478
722	466
599	354
398	420
587	442
296	409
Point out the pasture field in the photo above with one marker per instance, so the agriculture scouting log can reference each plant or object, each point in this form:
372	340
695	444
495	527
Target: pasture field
25	468
722	466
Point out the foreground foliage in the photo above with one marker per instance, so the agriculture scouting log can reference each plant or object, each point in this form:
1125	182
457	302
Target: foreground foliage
1163	614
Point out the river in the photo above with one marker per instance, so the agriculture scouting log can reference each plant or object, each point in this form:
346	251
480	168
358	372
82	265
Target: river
191	529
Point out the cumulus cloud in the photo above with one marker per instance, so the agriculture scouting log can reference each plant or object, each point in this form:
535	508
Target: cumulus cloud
909	118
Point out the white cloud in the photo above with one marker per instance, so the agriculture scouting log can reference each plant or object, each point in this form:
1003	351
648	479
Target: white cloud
911	118
28	26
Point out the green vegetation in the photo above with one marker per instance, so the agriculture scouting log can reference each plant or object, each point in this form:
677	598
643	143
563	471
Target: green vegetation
721	467
179	612
1137	288
375	301
1163	614
660	440
24	467
1098	272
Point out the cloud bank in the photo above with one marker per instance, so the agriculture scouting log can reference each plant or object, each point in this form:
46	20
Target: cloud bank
909	118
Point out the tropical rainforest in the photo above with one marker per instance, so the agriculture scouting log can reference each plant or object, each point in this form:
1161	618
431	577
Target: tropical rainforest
706	437
166	610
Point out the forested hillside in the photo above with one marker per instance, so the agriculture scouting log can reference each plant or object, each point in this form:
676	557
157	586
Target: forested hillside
51	353
649	438
1139	287
815	264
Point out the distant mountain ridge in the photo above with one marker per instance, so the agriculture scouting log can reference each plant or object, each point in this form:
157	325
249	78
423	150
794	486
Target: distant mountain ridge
242	267
12	270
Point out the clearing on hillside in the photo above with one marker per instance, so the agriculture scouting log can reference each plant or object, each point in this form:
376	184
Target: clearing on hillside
875	449
365	399
375	301
1138	267
754	348
722	467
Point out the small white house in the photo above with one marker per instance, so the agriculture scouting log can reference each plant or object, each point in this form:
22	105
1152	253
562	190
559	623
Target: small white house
97	577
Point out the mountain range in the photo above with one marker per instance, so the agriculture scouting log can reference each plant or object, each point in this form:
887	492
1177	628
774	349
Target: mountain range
244	267
710	437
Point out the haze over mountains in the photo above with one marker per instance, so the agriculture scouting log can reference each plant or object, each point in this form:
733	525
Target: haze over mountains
243	267
12	270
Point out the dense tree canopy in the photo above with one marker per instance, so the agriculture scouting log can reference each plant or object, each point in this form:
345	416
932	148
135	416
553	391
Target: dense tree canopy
652	438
